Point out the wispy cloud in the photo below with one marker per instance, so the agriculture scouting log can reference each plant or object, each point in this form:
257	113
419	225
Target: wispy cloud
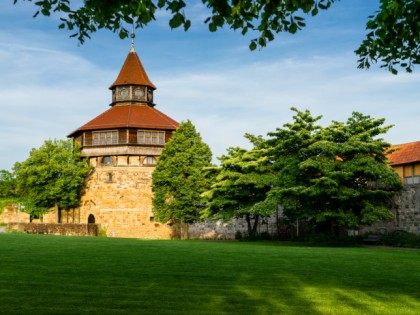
48	88
257	97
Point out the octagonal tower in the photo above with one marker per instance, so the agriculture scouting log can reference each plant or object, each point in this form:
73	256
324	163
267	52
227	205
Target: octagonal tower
123	145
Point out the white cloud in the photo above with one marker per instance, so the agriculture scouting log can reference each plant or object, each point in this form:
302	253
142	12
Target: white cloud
256	98
44	93
47	89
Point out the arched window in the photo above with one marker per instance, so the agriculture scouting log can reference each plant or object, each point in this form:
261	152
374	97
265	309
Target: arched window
107	161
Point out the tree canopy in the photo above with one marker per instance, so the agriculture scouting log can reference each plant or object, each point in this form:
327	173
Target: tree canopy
53	175
7	189
393	31
337	174
178	179
240	185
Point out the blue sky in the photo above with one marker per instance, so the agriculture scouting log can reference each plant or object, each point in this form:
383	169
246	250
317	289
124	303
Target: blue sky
50	85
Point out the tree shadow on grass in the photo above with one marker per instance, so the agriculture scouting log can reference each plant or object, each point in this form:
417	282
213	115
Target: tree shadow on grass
44	275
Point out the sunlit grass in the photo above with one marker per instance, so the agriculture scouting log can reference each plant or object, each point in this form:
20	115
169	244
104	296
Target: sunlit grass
43	274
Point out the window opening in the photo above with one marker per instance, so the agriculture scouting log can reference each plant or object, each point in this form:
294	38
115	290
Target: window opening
105	137
91	219
107	161
149	160
151	137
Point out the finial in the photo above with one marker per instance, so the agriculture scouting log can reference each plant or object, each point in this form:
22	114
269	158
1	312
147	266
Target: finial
132	40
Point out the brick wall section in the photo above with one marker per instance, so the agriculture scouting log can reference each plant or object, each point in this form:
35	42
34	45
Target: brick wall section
56	229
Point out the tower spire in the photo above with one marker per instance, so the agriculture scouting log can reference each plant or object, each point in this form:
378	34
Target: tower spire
132	40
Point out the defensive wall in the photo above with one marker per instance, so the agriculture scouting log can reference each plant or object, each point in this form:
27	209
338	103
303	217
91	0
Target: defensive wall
406	212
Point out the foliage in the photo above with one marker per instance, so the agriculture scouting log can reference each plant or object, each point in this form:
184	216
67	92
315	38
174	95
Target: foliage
240	185
338	174
7	189
178	179
287	147
53	175
81	275
102	232
393	36
401	239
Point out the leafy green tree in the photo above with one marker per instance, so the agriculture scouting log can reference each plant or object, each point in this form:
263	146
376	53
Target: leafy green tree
7	189
53	175
337	175
287	150
178	179
240	185
393	37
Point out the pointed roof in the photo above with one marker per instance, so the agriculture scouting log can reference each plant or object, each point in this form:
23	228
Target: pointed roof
130	116
132	72
406	153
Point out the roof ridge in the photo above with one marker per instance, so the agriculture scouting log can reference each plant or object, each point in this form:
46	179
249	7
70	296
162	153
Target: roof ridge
401	144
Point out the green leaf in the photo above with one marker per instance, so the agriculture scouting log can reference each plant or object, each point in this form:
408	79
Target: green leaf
176	20
253	45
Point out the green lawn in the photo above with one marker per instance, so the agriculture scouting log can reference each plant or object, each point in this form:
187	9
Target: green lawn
44	274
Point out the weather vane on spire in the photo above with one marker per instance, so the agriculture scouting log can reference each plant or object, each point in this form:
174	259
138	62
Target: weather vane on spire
132	40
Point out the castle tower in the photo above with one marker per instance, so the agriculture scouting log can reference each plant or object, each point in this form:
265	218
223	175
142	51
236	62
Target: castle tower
123	145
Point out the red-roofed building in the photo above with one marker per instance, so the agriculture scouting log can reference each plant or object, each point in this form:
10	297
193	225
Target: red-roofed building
406	206
406	161
123	145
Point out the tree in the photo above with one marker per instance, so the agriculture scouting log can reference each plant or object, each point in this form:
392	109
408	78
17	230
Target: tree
240	185
338	175
287	147
53	175
7	189
393	38
178	179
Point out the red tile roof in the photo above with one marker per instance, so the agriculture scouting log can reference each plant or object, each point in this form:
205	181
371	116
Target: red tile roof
132	72
130	116
406	153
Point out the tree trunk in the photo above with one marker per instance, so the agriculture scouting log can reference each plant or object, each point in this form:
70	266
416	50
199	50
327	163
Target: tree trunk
182	229
252	228
248	223
59	215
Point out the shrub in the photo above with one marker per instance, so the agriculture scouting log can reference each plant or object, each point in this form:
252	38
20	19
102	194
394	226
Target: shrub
401	239
238	235
102	232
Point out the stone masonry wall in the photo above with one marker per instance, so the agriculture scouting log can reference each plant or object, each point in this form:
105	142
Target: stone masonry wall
10	214
406	213
227	230
407	216
120	200
56	229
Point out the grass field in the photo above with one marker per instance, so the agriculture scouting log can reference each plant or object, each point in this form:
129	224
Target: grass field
44	274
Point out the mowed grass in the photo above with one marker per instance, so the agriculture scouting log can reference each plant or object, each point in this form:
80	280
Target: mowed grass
44	274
